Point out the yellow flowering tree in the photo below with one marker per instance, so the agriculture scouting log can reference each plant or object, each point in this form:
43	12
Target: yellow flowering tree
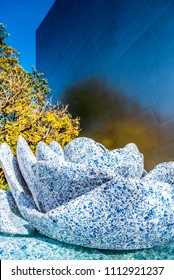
24	107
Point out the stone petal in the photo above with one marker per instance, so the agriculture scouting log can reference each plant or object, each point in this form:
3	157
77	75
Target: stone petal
11	221
26	159
120	214
127	161
44	152
83	149
55	146
163	172
63	181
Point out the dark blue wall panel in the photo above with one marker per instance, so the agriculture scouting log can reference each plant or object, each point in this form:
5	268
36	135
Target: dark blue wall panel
130	43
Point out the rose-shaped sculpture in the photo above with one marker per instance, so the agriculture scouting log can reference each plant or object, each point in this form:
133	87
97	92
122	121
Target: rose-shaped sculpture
90	196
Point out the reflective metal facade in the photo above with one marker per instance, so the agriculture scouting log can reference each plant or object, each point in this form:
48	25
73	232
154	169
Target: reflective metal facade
129	43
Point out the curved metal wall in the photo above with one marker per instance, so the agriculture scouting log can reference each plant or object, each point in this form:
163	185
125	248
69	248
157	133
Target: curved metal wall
120	48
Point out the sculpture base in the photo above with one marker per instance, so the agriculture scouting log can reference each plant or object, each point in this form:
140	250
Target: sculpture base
36	246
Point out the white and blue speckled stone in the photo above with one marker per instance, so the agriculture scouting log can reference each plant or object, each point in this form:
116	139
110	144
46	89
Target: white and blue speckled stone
81	149
44	152
62	181
120	214
127	162
19	190
55	146
10	166
163	172
11	221
39	247
26	159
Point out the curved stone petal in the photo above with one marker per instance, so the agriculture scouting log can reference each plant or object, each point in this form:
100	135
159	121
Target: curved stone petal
44	152
121	214
130	162
132	147
55	146
23	199
63	181
26	159
11	221
82	150
127	162
163	172
15	181
10	166
120	162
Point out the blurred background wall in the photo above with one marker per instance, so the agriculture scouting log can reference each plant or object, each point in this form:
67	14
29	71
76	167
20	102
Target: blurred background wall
113	63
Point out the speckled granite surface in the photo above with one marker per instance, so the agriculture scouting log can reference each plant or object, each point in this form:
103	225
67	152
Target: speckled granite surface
10	219
128	210
126	162
39	247
27	245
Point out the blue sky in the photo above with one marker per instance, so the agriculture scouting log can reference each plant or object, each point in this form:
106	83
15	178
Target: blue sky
22	18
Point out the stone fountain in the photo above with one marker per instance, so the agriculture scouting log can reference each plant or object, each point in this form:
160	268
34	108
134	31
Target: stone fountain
87	195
